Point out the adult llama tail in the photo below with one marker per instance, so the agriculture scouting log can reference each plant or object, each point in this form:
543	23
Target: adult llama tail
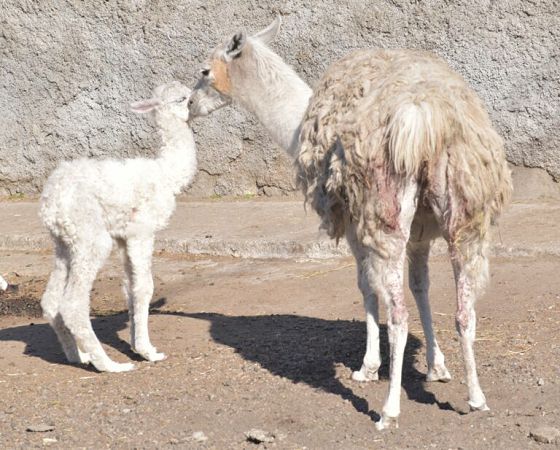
413	134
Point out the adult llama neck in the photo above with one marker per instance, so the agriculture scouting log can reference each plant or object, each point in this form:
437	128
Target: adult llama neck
269	88
178	153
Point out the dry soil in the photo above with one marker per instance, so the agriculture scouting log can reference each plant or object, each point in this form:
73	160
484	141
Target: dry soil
270	345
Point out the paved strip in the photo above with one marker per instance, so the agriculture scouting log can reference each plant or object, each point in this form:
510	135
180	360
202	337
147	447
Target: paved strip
281	229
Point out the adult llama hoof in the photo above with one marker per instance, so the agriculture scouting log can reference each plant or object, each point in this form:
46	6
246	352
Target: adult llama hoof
479	407
386	422
438	373
365	374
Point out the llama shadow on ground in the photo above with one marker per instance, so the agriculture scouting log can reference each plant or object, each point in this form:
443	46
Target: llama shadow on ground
308	349
41	342
301	349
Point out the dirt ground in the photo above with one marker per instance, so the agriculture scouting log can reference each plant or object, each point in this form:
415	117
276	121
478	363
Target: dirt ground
271	345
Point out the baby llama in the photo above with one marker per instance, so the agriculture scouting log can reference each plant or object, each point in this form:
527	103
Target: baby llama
87	204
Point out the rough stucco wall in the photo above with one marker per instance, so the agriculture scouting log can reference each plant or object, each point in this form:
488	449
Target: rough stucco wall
69	69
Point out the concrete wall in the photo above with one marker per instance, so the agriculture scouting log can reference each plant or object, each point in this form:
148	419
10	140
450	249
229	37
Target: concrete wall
69	69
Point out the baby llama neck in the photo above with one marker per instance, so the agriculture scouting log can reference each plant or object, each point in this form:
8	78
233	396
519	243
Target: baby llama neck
178	153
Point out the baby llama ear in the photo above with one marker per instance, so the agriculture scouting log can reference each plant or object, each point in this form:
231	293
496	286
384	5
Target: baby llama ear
236	44
144	106
269	33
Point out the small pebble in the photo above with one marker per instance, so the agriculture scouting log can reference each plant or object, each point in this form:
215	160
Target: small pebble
546	435
258	436
199	436
49	441
540	382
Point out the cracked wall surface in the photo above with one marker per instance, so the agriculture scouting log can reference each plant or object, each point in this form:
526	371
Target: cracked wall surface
69	69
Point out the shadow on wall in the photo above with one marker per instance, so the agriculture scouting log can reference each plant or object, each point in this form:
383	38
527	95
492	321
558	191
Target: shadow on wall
301	349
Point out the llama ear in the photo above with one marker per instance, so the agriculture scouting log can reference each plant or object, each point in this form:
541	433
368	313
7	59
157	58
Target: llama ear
144	106
269	33
236	45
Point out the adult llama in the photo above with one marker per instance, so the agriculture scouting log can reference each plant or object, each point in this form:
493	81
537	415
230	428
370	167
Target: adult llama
392	150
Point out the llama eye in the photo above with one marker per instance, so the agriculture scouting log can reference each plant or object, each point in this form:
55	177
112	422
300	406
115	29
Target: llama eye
205	72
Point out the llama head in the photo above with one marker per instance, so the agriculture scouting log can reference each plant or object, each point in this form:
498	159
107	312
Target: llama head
170	99
228	64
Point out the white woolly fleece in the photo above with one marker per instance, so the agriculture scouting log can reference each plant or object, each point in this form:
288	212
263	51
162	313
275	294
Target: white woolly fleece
87	204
